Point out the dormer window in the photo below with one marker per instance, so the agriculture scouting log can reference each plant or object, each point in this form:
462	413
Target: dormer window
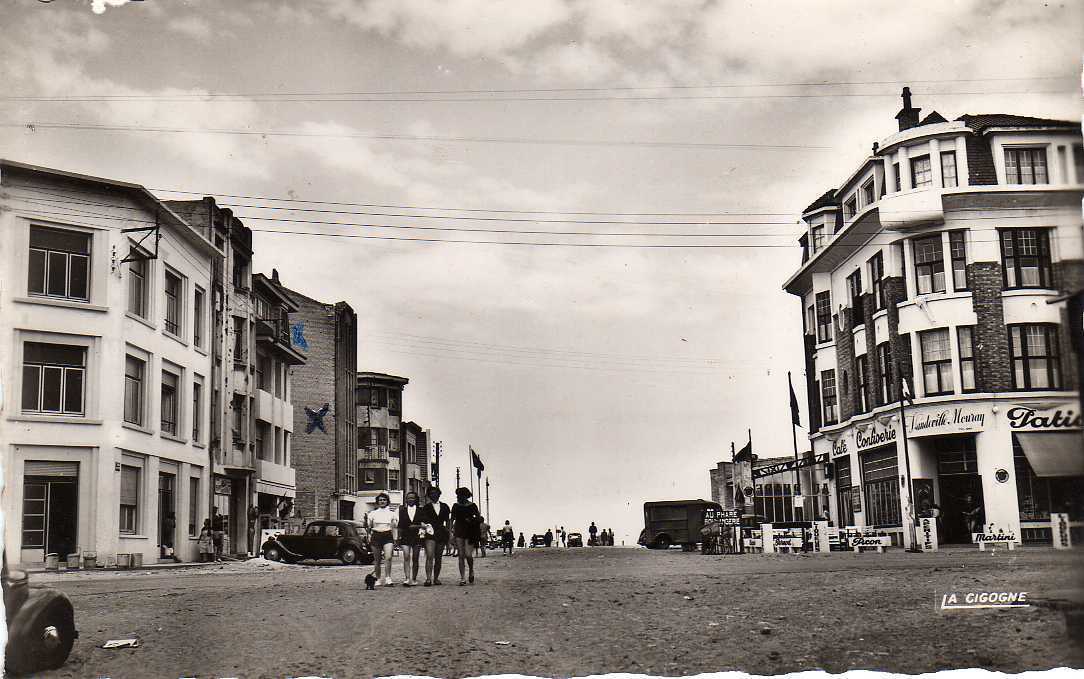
868	193
850	207
818	237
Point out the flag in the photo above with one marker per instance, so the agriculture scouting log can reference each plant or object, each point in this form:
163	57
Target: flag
476	462
793	405
745	454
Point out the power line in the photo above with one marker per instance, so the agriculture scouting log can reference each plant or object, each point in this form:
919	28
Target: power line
33	126
642	88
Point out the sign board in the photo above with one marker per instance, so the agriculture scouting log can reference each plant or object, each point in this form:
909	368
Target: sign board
730	517
992	537
878	542
820	537
927	534
945	421
789	465
856	499
874	436
1039	417
1059	531
799	501
223	486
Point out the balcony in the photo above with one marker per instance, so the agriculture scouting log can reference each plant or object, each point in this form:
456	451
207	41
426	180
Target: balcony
276	474
910	209
373	454
274	411
236	458
274	335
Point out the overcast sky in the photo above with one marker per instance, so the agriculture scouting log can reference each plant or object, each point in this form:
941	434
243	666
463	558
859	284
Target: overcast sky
589	379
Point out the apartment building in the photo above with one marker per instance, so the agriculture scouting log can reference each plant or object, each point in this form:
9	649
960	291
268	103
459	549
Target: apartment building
380	452
941	259
105	368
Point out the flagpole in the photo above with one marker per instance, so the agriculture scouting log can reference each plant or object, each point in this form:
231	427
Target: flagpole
797	475
907	464
470	468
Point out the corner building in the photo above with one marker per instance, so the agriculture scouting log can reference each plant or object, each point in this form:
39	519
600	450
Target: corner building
935	260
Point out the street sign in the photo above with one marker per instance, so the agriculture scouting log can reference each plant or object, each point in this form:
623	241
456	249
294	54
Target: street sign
789	465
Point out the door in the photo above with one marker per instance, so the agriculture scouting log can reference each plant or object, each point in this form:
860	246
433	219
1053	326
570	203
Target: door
960	493
167	518
50	515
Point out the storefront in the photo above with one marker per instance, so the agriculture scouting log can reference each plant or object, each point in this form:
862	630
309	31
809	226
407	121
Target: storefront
1048	462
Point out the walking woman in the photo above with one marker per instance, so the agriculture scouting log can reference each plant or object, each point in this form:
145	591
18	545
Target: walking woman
382	523
466	524
409	541
438	517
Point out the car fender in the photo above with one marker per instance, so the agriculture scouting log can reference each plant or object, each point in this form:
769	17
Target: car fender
285	550
39	598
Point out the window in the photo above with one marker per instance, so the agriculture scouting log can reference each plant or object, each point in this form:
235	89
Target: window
170	382
868	193
844	490
53	378
264	372
393	440
393	402
237	426
332	531
59	264
850	207
773	502
197	410
828	396
129	498
921	172
1025	166
370	477
240	355
896	173
173	288
958	255
378	398
929	265
193	506
1025	257
965	339
1035	360
854	287
936	361
862	400
393	479
197	316
880	477
1078	163
818	237
137	286
810	320
876	278
134	370
240	273
1038	496
824	316
888	384
948	168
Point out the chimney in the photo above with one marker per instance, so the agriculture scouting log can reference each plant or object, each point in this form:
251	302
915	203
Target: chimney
876	146
908	115
275	275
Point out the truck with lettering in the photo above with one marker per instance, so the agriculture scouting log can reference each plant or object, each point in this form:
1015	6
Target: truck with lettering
676	522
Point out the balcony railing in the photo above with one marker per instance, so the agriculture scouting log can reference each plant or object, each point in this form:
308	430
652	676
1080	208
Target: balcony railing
373	454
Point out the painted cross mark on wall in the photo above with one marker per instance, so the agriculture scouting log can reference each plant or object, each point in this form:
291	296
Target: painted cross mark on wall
316	418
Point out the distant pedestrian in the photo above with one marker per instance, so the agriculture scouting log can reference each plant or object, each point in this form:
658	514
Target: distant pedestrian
483	533
508	538
409	541
466	525
564	537
547	539
206	544
218	532
382	524
437	516
593	531
522	542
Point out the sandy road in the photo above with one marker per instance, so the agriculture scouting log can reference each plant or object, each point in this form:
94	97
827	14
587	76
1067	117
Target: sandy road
578	612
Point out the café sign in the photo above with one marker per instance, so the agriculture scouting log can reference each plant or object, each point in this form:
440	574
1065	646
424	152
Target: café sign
1030	418
873	437
946	421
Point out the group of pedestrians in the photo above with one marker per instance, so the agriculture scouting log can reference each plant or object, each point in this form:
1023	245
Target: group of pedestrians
430	527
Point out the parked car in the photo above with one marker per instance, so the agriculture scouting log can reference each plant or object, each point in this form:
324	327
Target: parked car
40	622
574	540
538	540
675	522
347	541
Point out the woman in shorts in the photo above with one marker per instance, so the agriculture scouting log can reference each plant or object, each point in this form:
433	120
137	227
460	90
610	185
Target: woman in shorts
466	525
409	540
382	523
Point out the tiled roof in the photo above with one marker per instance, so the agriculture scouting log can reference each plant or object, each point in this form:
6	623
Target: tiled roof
826	200
934	117
983	121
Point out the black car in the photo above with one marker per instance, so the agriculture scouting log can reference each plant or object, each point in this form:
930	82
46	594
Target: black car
40	622
347	541
575	540
538	540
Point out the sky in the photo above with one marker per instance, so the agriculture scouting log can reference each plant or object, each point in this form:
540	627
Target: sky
590	378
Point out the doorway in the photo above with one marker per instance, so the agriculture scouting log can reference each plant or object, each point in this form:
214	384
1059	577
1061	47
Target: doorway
50	514
960	488
167	518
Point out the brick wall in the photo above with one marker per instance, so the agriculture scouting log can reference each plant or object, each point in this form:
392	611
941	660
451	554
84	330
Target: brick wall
993	364
980	162
346	397
813	401
313	385
899	346
872	372
1069	277
844	364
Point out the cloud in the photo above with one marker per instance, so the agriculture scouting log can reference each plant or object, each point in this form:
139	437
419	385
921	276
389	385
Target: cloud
192	26
99	6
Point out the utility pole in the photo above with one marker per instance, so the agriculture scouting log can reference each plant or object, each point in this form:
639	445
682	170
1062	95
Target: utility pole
911	519
457	477
487	501
437	474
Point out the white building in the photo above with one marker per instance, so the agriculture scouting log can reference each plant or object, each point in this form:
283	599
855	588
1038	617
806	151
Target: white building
104	366
938	256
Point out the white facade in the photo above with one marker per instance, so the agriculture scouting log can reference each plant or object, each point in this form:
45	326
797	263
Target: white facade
104	372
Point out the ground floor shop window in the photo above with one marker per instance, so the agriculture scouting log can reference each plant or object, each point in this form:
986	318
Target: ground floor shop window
774	503
880	477
50	507
844	491
1040	496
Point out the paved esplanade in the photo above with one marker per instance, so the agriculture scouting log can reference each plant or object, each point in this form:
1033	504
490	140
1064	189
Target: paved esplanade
577	612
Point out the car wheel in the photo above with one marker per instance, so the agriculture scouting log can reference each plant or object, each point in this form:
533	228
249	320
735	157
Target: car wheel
272	554
348	555
662	542
46	642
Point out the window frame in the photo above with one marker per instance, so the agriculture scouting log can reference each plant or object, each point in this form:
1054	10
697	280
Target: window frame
47	263
824	316
62	392
967	358
197	409
199	313
958	237
876	277
942	366
1015	170
140	386
170	427
1018	339
144	277
862	402
850	207
869	192
194	504
955	170
884	363
829	397
934	266
134	513
854	290
899	181
926	172
174	327
1044	264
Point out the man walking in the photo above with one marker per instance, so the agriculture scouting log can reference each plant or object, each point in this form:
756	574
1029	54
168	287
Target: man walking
508	538
593	531
217	532
564	537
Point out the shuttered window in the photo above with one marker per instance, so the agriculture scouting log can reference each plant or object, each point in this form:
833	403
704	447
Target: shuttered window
129	498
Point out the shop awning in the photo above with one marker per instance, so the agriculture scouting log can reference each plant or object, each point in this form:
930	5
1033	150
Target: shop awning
274	489
1054	454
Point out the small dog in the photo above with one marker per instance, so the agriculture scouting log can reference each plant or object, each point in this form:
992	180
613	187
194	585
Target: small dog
370	581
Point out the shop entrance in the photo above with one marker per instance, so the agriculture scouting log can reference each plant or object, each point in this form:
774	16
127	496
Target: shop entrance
167	518
961	501
50	514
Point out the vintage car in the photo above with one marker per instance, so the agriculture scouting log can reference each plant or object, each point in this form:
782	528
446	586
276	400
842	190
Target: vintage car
538	540
574	540
40	624
347	541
